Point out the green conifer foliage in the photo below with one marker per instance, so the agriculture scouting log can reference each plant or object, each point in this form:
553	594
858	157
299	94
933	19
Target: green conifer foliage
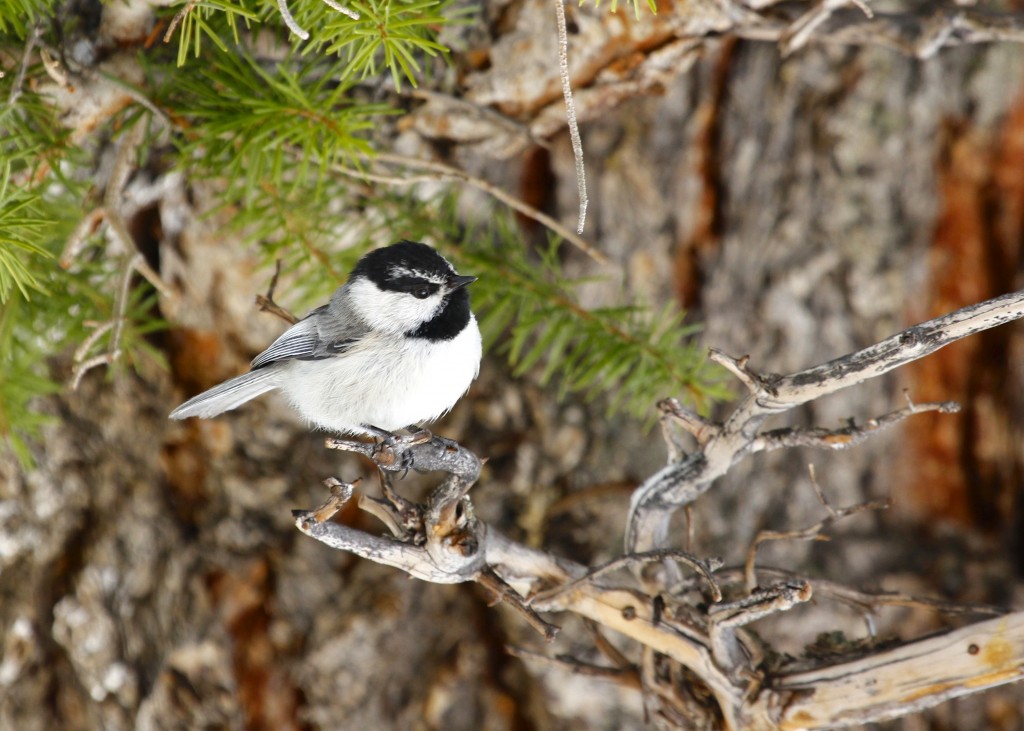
286	128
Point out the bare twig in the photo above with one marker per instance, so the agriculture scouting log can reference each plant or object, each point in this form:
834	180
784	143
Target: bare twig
451	173
121	302
111	212
875	601
738	367
683	481
341	493
848	436
802	29
83	229
729	646
570	112
266	303
700	428
703	568
857	599
385	513
82	351
17	86
760	604
627	676
505	593
53	68
452	537
605	647
178	17
810	533
83	367
294	27
367	176
898	350
115	326
286	16
138	97
457	564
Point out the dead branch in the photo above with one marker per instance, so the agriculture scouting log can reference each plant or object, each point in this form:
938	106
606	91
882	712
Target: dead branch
681	482
640	58
906	679
848	436
504	593
702	639
865	601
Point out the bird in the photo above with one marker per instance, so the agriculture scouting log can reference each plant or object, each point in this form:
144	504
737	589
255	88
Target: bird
397	345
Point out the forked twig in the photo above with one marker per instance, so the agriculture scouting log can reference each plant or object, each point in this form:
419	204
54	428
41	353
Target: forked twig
506	594
115	326
810	533
848	436
704	569
266	303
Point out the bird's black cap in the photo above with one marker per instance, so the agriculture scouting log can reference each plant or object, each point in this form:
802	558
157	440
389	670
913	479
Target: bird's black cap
391	267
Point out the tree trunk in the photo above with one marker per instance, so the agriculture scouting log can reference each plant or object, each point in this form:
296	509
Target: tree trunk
800	207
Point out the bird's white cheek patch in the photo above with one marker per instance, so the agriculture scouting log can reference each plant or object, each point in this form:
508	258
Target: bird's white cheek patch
392	312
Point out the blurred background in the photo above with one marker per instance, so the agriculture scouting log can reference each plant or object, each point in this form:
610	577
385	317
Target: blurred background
761	179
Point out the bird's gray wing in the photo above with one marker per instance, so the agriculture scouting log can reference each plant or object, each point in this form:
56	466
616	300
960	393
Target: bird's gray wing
311	338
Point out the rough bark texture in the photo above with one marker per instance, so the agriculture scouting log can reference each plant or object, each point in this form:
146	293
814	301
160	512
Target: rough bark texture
802	207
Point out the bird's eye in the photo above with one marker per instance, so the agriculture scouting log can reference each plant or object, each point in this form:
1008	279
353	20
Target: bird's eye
421	293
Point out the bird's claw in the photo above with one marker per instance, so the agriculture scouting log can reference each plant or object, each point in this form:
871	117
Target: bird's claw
396	446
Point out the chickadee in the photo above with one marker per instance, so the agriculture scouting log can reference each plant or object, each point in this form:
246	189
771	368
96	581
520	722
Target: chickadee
396	345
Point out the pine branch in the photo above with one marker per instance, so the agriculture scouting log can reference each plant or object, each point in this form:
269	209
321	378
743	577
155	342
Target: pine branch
368	35
626	352
21	227
17	17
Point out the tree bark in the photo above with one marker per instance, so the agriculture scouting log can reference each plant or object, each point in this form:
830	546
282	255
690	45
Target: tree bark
801	206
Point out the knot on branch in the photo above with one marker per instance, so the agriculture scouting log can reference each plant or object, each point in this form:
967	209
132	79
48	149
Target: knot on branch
440	541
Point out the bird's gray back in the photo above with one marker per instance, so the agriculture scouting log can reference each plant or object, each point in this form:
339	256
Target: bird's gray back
327	331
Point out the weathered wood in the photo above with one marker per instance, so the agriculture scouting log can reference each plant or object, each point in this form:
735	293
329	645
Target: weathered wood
907	679
705	640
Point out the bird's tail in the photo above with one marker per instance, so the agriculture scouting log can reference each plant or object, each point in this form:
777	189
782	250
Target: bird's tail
229	395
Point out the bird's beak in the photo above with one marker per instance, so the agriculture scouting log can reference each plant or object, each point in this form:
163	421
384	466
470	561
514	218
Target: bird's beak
458	282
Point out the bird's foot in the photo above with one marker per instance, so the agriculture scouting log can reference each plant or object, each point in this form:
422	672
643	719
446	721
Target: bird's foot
423	436
397	445
418	435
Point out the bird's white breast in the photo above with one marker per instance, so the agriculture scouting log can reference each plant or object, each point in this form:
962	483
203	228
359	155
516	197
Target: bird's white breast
385	381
